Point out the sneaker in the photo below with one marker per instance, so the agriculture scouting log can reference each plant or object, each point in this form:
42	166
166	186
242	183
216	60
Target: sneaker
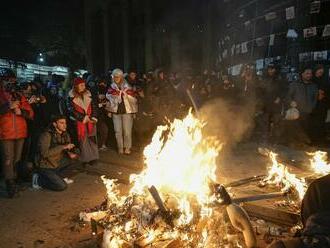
103	148
68	180
120	151
35	181
127	151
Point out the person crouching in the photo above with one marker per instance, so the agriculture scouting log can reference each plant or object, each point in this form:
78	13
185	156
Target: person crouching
55	153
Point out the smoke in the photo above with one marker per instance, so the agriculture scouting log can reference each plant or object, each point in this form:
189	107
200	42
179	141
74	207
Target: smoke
230	121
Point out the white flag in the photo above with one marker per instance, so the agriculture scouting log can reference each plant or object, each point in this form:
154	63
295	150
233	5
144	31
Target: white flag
326	30
244	47
271	39
310	32
290	13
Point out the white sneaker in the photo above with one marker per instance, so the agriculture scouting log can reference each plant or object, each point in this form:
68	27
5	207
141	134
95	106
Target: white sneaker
127	151
35	184
121	151
103	148
68	180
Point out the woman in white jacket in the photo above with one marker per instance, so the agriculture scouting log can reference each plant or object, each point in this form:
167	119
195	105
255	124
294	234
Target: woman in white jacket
123	105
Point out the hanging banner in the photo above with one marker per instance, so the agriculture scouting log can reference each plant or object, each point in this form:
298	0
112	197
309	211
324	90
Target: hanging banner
232	50
315	7
290	13
270	16
305	57
259	64
268	61
238	48
326	31
244	47
225	53
260	42
320	55
291	34
310	32
271	39
247	23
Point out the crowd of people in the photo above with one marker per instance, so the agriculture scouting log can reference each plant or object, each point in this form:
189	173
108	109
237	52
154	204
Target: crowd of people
45	126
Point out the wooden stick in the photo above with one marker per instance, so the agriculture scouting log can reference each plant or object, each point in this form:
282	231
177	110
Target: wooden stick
258	197
193	102
164	212
245	181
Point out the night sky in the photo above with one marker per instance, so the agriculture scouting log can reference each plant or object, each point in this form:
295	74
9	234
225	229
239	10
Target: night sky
30	27
57	27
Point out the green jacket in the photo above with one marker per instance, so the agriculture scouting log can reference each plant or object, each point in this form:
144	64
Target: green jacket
51	153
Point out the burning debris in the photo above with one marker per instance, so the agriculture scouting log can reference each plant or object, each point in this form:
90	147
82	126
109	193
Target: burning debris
175	198
319	163
280	176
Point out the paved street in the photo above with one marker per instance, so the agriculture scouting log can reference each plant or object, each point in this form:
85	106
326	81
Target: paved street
48	219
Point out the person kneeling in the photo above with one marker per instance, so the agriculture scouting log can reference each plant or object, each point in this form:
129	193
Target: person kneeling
55	152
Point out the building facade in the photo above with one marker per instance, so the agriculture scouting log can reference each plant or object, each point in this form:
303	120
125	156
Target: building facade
290	33
145	34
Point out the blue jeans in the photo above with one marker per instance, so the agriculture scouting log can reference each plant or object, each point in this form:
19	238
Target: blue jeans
123	124
50	179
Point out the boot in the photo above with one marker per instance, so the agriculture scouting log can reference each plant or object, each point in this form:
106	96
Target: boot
11	188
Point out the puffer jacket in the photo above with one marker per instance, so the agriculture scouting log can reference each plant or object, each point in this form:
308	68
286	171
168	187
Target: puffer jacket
122	93
13	126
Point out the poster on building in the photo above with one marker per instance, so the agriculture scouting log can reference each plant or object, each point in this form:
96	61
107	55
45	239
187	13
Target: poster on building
225	53
238	48
315	7
268	61
305	57
326	31
244	47
232	50
260	42
290	13
259	64
236	70
270	16
271	39
320	55
310	32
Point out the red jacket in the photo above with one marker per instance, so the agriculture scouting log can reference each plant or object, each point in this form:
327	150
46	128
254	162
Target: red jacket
13	126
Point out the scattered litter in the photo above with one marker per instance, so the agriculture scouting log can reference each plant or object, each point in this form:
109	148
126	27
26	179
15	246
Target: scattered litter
94	215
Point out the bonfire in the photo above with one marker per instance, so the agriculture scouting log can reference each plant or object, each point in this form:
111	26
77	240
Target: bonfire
173	198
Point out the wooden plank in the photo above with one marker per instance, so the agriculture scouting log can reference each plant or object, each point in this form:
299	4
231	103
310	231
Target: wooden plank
263	211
